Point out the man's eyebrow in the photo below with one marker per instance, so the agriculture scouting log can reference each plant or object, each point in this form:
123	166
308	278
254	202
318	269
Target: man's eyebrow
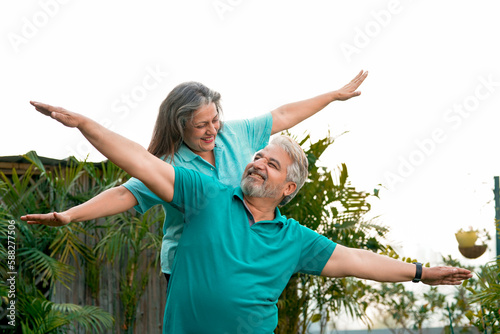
259	155
275	161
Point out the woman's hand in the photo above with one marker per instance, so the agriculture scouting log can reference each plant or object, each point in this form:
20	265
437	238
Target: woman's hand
349	90
49	219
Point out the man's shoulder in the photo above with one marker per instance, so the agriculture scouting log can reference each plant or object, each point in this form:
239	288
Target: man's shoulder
187	175
183	170
196	192
298	229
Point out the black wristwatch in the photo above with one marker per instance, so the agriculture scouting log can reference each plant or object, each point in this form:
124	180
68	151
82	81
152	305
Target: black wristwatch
418	273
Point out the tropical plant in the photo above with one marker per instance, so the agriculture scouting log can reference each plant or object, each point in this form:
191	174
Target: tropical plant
128	237
475	304
406	311
335	209
45	256
486	297
39	315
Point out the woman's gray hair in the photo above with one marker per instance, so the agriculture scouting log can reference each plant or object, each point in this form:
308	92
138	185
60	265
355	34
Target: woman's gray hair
297	172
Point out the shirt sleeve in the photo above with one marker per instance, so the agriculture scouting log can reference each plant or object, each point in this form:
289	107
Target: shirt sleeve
316	251
256	130
146	199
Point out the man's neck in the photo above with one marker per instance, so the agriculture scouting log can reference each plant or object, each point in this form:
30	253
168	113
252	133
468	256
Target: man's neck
261	208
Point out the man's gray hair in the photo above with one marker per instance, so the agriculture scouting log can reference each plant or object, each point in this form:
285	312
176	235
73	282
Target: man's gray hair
297	172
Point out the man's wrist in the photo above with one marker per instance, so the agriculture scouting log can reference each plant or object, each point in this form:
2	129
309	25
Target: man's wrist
82	121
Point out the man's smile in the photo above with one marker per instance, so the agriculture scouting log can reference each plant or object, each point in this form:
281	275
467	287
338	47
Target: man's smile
253	173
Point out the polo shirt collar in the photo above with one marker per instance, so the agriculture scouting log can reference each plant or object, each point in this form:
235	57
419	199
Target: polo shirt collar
237	192
187	155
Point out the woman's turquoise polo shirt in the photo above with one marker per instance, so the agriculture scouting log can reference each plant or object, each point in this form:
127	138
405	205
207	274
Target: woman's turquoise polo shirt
228	275
235	146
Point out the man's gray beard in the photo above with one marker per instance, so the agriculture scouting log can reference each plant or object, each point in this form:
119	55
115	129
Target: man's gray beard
251	189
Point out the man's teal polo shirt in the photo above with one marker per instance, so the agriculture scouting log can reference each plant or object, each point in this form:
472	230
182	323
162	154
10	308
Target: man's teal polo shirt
227	275
235	146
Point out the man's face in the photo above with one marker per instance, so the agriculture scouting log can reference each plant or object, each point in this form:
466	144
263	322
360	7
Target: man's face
265	176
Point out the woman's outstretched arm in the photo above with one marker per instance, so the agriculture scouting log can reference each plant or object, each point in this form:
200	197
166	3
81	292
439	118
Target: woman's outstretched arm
292	114
107	203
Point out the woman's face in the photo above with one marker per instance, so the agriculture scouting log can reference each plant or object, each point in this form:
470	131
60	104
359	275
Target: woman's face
200	133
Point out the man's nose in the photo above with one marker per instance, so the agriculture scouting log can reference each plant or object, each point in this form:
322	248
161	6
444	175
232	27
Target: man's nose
259	163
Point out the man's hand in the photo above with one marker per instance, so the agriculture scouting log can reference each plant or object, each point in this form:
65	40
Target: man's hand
349	90
68	118
49	219
444	275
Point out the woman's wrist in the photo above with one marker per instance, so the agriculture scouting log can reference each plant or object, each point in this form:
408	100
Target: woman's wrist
334	96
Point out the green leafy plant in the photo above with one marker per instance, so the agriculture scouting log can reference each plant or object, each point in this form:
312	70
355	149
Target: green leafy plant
485	294
128	236
47	256
335	209
40	315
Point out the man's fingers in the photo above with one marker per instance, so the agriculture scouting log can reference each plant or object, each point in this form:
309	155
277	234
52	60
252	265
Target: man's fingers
61	115
47	109
447	276
461	274
40	108
455	283
41	105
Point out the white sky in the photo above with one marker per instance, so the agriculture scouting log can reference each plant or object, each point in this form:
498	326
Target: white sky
429	62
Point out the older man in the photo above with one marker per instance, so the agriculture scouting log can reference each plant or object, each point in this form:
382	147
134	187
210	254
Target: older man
237	251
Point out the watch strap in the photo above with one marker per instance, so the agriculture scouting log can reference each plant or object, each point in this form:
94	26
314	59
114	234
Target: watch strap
418	273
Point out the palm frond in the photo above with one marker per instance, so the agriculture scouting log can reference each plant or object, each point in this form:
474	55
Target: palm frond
44	267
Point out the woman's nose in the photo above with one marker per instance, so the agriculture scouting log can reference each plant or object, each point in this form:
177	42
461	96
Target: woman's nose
212	129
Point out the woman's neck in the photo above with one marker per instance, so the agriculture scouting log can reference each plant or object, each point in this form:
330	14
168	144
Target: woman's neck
208	156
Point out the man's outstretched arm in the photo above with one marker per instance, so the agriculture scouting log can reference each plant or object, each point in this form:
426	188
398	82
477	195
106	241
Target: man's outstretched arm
157	175
365	264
